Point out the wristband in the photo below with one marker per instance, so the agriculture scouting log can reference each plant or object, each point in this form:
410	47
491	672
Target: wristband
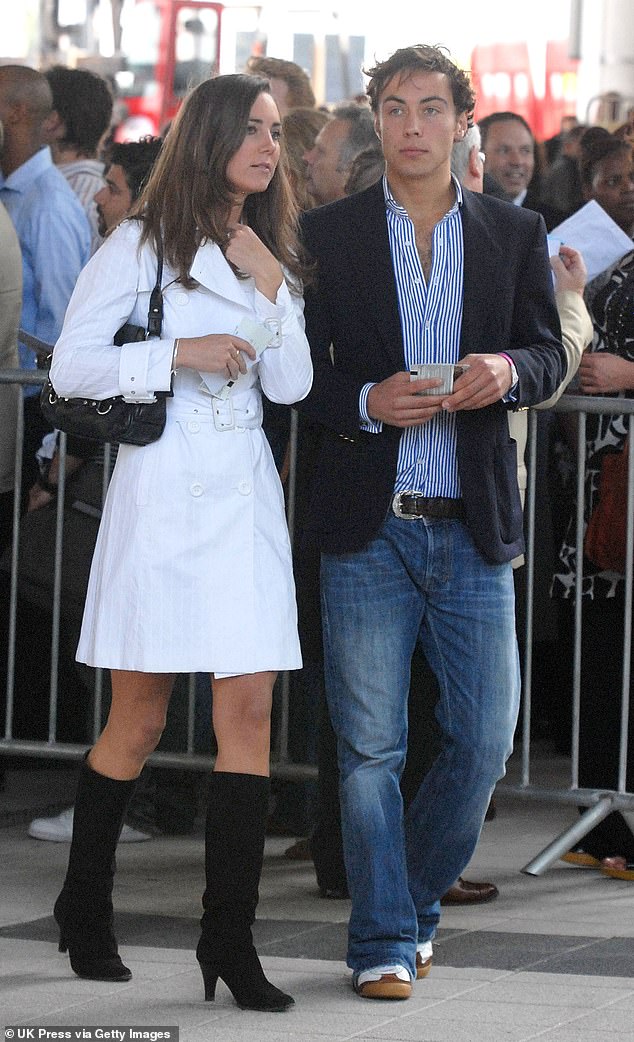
514	377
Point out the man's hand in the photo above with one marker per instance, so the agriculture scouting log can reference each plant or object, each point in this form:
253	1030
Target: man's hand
487	380
397	401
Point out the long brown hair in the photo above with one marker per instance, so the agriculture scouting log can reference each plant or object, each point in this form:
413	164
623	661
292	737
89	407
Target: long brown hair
188	197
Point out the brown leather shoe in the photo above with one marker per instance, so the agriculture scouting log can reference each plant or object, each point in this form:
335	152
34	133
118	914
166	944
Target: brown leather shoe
578	856
465	893
423	966
618	868
388	986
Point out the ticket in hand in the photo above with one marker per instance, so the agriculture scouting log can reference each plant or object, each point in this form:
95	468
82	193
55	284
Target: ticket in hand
260	335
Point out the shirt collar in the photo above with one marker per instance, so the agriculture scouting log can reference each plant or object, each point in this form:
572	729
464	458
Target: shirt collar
21	178
397	209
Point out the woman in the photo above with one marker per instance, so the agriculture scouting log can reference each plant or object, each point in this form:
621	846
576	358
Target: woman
192	567
606	369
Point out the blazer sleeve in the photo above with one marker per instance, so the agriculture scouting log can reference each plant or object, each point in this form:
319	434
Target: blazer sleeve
535	341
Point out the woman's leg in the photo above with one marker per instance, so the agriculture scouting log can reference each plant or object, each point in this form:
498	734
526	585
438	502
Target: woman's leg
242	722
135	723
237	810
107	778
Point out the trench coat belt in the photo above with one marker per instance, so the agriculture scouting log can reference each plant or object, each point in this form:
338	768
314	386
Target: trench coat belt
410	505
234	417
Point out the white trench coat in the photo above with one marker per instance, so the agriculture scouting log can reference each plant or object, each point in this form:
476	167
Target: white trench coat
192	569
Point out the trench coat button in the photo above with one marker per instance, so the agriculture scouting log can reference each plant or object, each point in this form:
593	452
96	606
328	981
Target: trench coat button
193	426
244	488
196	489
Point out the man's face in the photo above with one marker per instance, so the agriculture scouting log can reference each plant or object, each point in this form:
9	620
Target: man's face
510	155
326	181
417	123
113	200
279	90
5	109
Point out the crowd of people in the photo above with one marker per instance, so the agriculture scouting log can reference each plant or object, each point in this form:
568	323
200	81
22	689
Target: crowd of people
309	259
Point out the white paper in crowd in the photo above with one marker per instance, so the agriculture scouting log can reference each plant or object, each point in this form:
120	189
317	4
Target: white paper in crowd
597	237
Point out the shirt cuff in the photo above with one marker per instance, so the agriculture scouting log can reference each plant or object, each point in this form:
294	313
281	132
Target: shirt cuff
512	394
365	421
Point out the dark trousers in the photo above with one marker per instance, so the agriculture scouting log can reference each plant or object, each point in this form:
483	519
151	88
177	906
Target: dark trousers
600	718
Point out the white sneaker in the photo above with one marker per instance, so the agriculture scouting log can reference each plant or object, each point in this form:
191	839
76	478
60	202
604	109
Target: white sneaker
424	955
59	829
383	982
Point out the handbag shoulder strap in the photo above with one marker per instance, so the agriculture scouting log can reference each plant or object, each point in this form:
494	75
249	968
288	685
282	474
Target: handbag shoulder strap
155	311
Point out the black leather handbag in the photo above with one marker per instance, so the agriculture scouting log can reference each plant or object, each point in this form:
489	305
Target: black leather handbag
113	419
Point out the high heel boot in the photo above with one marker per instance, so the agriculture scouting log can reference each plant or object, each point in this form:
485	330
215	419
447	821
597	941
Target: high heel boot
234	850
83	910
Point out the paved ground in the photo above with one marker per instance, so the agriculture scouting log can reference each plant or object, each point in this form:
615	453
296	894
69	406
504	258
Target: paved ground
551	959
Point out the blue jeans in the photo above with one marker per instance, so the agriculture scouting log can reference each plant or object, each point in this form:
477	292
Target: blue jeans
421	581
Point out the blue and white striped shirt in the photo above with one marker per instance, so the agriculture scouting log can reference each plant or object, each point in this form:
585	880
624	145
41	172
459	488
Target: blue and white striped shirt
431	320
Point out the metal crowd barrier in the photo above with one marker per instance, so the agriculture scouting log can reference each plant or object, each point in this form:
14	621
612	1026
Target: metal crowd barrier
599	803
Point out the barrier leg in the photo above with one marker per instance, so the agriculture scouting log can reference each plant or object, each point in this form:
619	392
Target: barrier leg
570	837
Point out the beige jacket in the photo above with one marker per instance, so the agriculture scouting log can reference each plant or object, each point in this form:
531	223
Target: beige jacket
576	334
10	308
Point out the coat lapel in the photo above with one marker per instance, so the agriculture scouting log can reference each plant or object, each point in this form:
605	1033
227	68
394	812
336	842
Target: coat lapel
212	271
483	256
374	277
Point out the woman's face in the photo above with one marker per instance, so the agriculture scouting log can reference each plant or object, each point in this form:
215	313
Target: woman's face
251	168
613	189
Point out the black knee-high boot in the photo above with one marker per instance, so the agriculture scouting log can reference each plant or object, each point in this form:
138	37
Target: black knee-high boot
234	851
83	909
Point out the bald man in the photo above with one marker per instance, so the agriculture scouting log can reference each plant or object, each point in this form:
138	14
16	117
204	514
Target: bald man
51	225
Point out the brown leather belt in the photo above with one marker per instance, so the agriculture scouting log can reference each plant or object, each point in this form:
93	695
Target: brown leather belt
411	505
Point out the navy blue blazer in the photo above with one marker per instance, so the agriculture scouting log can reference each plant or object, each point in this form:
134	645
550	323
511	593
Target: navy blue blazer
353	326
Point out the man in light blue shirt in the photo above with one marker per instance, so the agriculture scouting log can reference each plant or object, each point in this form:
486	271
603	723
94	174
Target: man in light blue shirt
51	225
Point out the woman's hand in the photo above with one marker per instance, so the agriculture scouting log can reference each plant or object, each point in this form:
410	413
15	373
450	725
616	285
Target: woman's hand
569	269
215	353
603	373
248	253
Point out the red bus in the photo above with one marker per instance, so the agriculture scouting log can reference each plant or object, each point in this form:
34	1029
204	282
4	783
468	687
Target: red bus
168	46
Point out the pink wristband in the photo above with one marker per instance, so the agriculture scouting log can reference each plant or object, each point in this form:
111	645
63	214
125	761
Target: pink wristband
514	376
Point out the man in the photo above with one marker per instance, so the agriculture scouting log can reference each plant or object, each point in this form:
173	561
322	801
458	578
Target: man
509	146
10	307
290	85
50	223
561	183
338	143
127	170
82	110
416	507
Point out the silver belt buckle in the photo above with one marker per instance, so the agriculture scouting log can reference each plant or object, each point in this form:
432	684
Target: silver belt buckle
398	510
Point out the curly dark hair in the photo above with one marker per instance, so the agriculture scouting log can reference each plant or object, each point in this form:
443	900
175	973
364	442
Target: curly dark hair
83	100
598	144
421	57
136	159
